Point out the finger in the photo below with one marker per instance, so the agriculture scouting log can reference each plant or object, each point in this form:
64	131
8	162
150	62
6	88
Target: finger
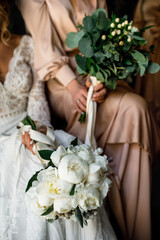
99	95
88	82
98	87
81	105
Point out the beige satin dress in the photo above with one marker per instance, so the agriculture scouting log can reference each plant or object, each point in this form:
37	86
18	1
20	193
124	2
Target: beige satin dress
125	127
148	13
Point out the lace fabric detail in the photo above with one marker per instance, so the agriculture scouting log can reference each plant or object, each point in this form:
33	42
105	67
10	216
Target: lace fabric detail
16	93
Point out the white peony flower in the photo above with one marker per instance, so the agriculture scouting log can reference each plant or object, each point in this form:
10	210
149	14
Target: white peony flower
84	151
72	169
51	185
105	187
57	155
64	205
34	203
95	173
89	198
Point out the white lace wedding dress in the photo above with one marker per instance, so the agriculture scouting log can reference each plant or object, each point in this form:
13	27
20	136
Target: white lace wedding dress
23	93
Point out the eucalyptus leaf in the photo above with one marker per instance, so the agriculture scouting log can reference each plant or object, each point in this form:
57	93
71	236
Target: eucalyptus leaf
99	76
81	61
101	20
137	56
142	70
96	12
111	83
85	46
73	38
88	23
154	67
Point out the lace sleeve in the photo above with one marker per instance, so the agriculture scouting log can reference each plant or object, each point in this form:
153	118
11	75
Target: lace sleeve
38	108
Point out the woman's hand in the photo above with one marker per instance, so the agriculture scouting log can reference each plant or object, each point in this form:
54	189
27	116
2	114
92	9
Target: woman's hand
100	91
79	95
28	142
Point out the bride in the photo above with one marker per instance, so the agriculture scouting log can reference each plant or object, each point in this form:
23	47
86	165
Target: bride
22	94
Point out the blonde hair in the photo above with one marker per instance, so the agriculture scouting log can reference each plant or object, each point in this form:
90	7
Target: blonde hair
4	22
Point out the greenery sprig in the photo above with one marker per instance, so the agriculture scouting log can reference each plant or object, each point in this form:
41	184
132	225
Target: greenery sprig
111	49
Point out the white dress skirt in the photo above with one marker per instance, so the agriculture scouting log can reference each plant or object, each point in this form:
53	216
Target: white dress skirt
22	94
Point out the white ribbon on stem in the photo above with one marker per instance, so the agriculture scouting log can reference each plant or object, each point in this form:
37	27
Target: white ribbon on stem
91	112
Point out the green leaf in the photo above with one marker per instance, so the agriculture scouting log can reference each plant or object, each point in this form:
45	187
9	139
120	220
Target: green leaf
142	70
145	28
25	122
72	190
99	76
139	57
80	71
128	62
82	117
85	46
74	142
45	154
101	20
32	179
99	56
96	12
154	67
138	38
81	61
152	48
88	23
31	123
79	216
111	83
49	210
73	38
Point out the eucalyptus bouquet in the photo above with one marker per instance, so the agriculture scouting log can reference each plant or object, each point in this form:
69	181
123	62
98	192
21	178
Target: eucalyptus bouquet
72	184
110	49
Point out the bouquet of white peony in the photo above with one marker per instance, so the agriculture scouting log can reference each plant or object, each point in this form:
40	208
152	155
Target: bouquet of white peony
72	184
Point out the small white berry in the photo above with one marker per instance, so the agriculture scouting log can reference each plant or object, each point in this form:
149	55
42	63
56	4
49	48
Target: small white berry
118	32
103	37
129	39
129	27
126	22
113	33
119	25
112	25
117	20
121	43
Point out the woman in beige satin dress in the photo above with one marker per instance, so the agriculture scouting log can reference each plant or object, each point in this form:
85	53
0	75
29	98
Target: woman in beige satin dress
147	13
125	127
